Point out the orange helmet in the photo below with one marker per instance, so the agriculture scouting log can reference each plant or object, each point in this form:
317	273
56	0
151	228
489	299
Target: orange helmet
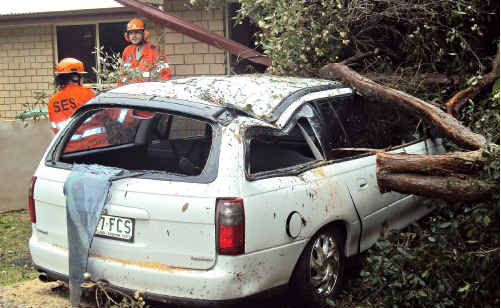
70	65
135	24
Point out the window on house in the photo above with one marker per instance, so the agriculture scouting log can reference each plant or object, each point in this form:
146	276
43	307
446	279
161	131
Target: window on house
274	150
111	36
353	122
80	41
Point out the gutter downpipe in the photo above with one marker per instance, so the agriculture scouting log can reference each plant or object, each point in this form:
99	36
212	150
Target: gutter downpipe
196	32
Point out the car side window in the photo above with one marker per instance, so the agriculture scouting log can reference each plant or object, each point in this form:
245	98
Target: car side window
354	125
294	146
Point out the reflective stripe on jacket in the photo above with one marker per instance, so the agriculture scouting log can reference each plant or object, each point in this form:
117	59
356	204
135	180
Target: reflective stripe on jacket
146	62
89	135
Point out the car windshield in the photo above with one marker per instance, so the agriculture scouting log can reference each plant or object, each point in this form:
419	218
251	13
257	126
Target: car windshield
139	140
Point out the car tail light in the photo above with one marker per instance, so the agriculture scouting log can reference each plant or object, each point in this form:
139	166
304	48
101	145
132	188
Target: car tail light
230	223
31	201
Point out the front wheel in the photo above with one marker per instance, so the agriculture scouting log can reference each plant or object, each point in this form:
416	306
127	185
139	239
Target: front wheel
320	270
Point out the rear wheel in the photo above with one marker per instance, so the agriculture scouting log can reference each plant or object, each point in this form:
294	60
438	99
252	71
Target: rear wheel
319	274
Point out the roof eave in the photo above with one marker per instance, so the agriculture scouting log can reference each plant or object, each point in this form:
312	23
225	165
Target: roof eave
64	16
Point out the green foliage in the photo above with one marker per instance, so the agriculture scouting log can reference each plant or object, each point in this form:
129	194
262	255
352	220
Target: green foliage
429	36
449	259
482	115
35	110
112	72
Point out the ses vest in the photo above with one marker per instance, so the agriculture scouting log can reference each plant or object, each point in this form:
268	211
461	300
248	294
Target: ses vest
64	103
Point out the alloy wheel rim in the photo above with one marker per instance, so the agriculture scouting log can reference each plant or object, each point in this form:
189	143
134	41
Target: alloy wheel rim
324	264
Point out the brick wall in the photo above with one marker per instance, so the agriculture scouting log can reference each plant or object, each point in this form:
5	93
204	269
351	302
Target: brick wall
186	55
26	66
27	55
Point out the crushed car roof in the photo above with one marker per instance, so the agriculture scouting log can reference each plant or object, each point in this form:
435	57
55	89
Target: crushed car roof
257	95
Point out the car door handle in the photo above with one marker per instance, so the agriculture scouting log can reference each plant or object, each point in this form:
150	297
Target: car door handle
362	183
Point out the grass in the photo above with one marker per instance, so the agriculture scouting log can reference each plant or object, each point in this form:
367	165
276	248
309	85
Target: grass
15	259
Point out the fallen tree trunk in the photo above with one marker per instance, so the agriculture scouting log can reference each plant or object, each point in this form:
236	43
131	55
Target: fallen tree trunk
426	79
443	164
449	176
450	126
447	188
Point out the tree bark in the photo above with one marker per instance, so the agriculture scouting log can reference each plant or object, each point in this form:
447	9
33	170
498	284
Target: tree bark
425	79
449	176
443	164
451	127
455	103
447	188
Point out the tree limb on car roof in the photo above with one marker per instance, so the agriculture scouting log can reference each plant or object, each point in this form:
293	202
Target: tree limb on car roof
448	176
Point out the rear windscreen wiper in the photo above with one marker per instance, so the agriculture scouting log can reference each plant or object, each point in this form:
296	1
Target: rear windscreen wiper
133	174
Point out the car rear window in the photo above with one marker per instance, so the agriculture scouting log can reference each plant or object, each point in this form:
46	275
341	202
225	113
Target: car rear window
139	140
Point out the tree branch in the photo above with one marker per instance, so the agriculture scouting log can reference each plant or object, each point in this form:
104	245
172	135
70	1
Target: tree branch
447	188
451	127
443	164
455	103
447	176
359	57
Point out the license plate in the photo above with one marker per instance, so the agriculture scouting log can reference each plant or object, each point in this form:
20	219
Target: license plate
115	227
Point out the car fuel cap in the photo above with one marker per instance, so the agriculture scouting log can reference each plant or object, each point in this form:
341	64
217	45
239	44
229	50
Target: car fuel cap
294	224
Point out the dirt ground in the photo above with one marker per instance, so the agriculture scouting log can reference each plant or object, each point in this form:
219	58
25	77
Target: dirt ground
36	294
33	294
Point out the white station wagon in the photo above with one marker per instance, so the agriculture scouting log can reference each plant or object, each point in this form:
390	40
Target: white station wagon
238	185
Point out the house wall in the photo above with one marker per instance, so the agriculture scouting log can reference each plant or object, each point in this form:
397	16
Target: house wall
186	55
26	67
27	55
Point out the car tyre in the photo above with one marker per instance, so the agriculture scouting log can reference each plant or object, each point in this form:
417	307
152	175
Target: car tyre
319	273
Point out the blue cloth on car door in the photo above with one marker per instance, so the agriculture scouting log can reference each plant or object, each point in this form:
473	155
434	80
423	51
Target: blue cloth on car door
86	190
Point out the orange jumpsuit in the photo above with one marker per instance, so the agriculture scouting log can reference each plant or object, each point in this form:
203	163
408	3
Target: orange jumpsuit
146	62
64	103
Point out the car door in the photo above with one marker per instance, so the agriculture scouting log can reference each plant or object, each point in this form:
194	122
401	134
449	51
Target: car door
291	181
348	139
